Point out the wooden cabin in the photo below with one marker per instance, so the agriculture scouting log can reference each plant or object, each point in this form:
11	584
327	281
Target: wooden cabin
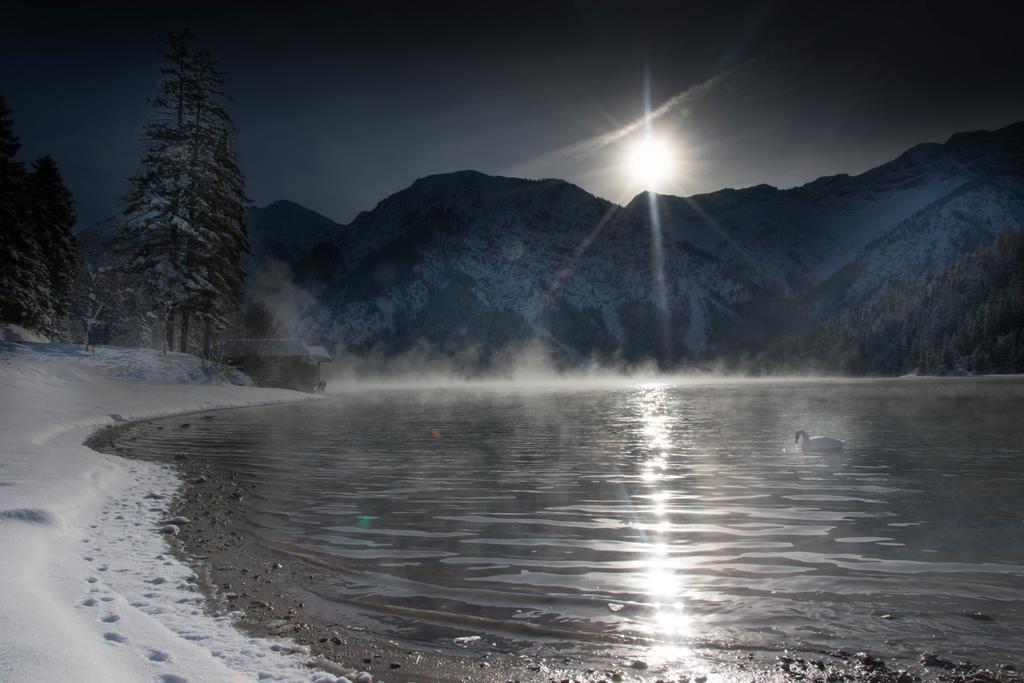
284	363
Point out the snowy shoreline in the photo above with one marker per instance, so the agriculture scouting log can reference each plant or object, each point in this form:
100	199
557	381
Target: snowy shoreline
90	590
262	587
88	587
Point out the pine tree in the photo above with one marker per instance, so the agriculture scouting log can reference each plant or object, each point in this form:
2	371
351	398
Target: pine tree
155	208
24	280
52	217
185	211
218	193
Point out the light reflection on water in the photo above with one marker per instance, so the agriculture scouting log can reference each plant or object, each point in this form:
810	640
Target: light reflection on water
658	519
669	625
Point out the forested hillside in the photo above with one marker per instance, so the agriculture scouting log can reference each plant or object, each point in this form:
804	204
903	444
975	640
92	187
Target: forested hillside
968	317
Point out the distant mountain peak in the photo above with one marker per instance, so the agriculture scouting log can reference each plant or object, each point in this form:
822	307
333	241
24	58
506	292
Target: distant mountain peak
285	230
1013	132
472	178
924	153
466	174
470	190
284	204
288	206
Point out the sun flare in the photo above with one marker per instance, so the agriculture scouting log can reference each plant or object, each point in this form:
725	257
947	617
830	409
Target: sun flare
650	162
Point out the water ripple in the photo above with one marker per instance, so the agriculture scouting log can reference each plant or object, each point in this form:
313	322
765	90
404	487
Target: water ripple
684	506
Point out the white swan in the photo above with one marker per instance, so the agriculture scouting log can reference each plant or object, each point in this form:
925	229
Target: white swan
818	444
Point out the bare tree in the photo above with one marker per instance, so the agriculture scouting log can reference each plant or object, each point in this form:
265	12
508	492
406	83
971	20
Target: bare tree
105	294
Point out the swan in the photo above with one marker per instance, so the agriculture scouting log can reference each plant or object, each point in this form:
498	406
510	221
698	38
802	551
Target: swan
818	444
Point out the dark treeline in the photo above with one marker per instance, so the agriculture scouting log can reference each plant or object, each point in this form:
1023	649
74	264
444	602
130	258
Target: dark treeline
38	250
967	318
167	272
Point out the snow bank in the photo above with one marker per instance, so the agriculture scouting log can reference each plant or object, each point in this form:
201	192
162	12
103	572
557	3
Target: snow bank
86	590
12	332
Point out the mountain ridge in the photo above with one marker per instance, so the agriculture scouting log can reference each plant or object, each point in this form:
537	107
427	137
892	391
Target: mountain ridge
1014	131
465	260
467	264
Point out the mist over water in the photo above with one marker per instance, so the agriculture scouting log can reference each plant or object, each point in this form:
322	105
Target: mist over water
518	366
646	518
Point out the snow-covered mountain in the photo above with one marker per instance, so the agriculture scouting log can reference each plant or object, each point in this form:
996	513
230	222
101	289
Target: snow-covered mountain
286	231
470	263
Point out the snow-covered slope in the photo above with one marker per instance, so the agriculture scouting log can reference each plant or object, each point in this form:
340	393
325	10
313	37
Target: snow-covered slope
954	225
468	261
87	590
286	231
16	333
805	234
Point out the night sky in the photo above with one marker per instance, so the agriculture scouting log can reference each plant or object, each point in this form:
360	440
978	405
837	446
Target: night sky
339	105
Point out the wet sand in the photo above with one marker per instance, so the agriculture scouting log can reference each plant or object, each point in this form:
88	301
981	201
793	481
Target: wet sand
260	587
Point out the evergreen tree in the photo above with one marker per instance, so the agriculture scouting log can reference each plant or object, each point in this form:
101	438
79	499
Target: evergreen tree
185	211
24	280
155	208
215	251
51	215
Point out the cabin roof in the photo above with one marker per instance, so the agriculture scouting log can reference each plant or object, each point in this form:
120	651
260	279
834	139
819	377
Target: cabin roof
319	354
275	348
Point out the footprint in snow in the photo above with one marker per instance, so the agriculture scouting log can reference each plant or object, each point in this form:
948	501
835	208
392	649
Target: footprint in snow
89	603
173	678
110	619
114	637
30	516
158	656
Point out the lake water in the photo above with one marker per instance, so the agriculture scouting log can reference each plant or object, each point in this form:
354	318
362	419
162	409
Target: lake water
649	519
